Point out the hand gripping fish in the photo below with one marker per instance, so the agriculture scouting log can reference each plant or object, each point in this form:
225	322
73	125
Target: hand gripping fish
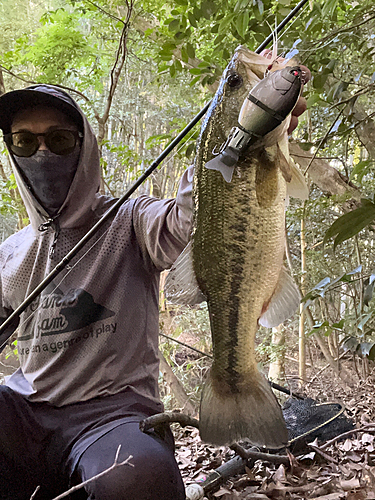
235	257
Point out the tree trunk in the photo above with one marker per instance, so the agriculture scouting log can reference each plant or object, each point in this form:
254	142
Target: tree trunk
276	371
301	336
176	388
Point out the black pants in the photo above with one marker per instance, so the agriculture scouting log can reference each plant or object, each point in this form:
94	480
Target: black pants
54	448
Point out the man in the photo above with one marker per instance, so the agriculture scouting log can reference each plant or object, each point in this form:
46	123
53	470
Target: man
88	347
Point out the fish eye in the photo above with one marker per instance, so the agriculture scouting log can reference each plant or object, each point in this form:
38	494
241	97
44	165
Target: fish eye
234	80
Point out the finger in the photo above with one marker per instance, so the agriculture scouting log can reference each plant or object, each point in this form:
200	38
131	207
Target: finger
293	124
300	107
306	74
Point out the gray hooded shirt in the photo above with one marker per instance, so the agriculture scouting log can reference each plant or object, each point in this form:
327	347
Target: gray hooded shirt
94	330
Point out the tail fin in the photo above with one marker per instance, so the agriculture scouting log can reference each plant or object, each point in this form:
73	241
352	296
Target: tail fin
254	415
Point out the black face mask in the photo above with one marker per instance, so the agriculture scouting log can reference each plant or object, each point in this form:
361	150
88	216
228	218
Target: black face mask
49	176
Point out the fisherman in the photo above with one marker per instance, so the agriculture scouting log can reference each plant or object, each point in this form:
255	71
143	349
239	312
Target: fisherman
88	346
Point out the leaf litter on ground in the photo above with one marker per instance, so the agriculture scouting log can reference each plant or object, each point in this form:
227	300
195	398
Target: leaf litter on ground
335	470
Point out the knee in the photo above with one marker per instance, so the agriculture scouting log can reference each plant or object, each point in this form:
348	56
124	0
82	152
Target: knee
147	476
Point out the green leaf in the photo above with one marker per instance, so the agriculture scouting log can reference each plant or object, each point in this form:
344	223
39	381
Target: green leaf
371	353
197	13
195	71
339	325
242	23
174	25
190	50
192	20
319	80
240	5
336	90
350	224
184	54
225	22
194	81
190	149
329	7
360	169
313	99
226	54
208	9
180	35
219	39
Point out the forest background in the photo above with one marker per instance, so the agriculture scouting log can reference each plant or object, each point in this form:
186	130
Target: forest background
142	70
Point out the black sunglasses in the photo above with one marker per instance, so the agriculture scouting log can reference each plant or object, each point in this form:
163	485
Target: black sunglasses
25	144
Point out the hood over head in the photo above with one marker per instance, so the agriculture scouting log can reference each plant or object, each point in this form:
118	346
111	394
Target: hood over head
83	196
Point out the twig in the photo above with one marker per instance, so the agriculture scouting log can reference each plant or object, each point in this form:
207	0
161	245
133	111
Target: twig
323	369
105	12
36	83
366	427
257	455
113	466
35	492
320	452
323	139
168	417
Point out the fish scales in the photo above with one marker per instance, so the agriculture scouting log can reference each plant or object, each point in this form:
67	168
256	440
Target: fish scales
237	251
238	248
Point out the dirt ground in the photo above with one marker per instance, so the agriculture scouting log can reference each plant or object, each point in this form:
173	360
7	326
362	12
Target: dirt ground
342	468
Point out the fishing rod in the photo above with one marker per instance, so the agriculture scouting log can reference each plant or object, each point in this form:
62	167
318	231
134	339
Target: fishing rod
9	326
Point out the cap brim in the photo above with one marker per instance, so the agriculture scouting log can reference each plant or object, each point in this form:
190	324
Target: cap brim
13	102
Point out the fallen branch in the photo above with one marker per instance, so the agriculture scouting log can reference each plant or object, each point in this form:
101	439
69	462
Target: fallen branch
257	455
94	478
324	455
366	427
168	418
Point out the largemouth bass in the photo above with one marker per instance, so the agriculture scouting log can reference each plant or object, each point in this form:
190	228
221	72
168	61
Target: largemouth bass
235	260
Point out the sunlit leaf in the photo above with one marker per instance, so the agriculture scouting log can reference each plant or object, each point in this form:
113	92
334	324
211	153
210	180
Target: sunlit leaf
364	349
350	344
363	321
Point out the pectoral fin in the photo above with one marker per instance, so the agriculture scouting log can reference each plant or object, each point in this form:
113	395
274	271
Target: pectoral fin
295	181
181	286
297	187
284	302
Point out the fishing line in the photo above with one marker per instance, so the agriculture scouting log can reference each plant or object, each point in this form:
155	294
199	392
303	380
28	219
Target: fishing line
11	323
294	20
